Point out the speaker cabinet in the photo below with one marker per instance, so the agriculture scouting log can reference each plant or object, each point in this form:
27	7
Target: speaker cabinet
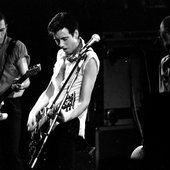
114	146
124	77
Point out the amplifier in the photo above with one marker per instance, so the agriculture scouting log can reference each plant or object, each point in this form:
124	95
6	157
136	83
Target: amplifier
114	146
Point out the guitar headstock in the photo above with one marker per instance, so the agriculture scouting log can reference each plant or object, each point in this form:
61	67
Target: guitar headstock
33	70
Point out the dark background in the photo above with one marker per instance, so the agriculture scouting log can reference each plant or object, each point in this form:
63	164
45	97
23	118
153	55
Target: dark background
124	26
129	49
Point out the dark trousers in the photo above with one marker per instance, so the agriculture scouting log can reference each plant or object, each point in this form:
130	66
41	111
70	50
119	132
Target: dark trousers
10	130
59	151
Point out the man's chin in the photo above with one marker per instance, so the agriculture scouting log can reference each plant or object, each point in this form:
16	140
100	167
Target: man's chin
67	52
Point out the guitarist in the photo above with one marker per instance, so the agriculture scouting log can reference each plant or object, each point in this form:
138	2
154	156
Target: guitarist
60	146
14	61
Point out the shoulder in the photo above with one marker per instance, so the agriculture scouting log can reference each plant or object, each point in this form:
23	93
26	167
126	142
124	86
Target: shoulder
59	60
20	51
18	47
91	54
20	44
60	54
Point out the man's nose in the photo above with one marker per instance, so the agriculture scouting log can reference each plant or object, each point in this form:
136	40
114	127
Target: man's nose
61	44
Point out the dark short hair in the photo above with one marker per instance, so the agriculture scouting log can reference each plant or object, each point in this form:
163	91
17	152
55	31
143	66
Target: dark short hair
62	20
3	17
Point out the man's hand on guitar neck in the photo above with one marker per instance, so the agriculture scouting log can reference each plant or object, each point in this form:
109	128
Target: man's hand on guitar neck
17	86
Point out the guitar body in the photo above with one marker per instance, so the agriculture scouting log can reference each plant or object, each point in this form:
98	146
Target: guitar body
45	119
43	123
39	134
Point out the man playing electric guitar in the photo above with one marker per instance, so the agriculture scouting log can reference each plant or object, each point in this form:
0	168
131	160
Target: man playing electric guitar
15	86
61	144
14	62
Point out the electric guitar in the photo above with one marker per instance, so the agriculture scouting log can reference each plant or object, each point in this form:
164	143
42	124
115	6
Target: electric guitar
43	120
31	72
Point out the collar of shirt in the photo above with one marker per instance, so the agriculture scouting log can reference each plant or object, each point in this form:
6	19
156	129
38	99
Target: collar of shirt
73	57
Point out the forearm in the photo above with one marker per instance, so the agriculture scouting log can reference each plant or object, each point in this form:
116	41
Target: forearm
41	102
79	109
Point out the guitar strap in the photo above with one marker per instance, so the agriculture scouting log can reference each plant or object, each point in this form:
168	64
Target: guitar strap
9	51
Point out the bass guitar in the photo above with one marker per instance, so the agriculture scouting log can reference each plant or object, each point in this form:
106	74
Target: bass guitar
31	72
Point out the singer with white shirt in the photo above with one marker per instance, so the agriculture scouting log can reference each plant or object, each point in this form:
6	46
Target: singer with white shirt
70	123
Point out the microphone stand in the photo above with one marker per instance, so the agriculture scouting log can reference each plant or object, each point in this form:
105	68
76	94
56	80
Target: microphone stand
139	151
78	65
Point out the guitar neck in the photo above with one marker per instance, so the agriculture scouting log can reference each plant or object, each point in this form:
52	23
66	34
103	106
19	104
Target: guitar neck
31	72
22	79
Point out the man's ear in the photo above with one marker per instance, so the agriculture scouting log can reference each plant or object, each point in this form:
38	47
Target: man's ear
76	33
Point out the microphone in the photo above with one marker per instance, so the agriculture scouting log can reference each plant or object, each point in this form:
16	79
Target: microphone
94	38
